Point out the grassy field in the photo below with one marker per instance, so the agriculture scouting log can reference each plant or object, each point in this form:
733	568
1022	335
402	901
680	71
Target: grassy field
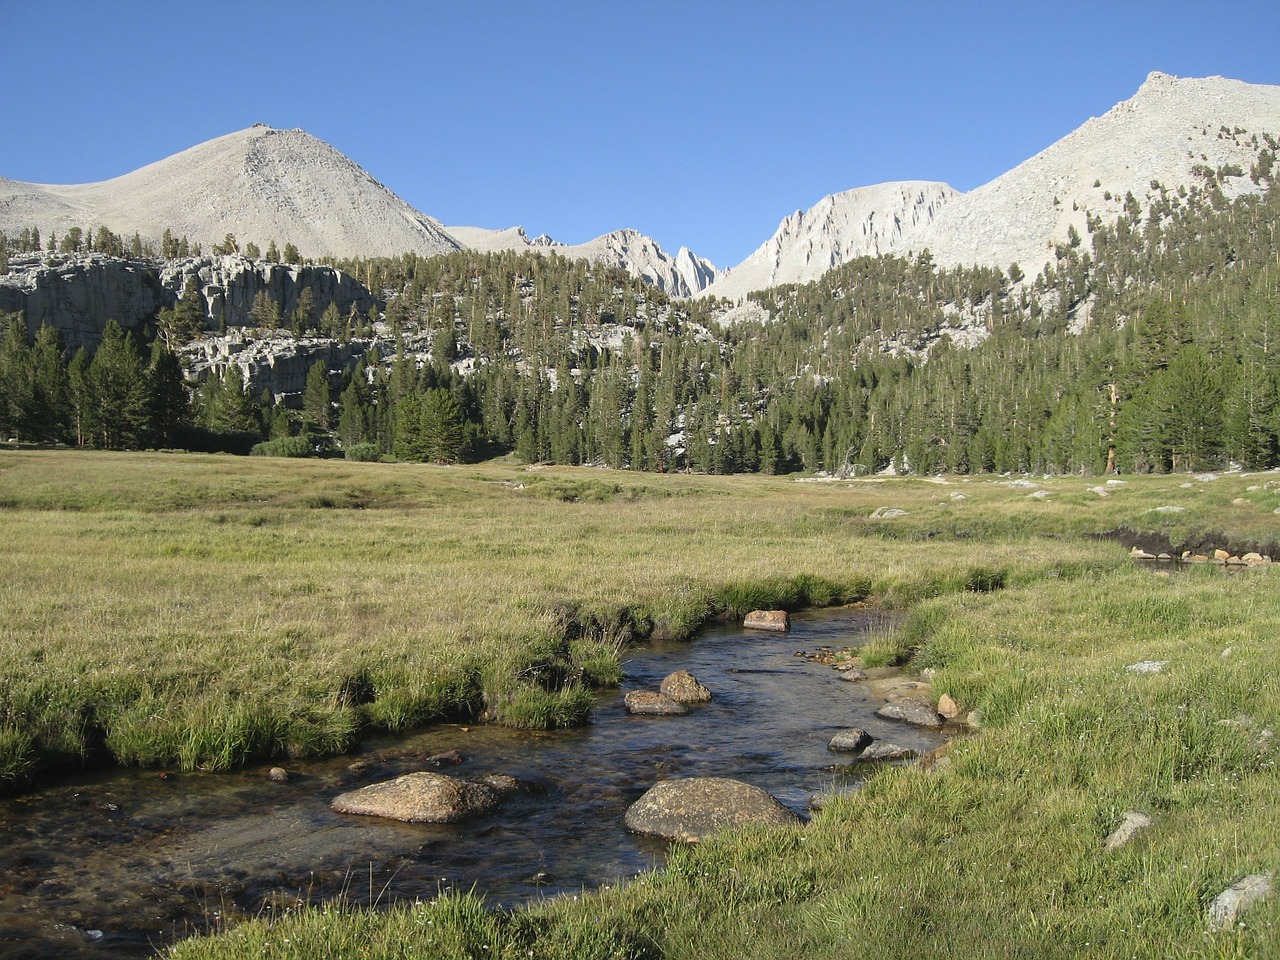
199	611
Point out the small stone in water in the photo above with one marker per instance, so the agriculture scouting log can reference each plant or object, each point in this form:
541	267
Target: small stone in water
277	774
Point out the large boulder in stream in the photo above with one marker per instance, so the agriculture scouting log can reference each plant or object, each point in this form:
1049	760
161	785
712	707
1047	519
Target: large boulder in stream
694	808
423	797
683	687
775	621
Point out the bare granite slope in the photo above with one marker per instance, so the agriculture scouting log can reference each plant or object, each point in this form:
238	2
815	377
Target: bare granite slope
1169	127
259	184
1160	136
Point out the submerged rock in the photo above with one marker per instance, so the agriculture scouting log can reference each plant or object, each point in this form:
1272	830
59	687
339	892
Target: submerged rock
916	712
694	808
683	687
881	751
423	797
648	703
852	740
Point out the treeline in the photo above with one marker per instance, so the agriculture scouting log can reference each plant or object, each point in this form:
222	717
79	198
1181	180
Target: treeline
1149	344
120	398
103	240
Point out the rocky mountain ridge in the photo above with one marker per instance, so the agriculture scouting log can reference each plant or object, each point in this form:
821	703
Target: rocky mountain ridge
866	221
1165	136
258	184
683	275
262	183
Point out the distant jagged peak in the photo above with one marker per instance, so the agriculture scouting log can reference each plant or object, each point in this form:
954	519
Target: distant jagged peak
628	249
865	221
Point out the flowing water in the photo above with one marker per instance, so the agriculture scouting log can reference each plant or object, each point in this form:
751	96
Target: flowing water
121	863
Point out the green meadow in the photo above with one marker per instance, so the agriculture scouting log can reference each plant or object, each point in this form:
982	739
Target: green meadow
200	612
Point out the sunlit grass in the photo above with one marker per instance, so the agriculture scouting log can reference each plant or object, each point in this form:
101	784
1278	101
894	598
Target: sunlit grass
1001	852
201	611
198	611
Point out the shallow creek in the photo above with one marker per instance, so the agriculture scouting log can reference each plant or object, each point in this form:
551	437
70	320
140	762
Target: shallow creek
120	863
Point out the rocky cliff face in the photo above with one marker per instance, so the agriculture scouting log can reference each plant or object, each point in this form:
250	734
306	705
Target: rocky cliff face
277	365
77	295
230	285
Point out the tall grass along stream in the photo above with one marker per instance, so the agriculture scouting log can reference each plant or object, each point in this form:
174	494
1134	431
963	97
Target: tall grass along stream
124	862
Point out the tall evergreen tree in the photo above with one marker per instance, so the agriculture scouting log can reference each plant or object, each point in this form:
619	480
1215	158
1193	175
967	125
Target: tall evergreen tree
317	402
120	393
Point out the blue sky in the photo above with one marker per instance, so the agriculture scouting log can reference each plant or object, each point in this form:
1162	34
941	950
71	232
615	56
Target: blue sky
699	123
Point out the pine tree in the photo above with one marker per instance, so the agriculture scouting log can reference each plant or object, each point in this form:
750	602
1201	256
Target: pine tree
317	402
51	406
304	313
1194	401
226	406
265	312
442	428
80	396
170	407
119	392
17	397
186	320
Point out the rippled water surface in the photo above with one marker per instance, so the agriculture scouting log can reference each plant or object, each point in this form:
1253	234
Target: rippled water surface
119	864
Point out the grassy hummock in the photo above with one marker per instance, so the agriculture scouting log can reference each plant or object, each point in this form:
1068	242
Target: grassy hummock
199	611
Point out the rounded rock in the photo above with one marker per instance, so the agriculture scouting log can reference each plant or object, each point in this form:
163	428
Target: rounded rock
853	740
911	711
694	808
422	797
683	687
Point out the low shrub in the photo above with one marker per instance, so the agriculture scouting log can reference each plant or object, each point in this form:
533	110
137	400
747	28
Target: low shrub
299	446
363	452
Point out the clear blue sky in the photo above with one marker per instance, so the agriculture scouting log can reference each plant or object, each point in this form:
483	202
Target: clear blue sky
699	123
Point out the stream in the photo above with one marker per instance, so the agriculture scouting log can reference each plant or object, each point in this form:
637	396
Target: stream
120	863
